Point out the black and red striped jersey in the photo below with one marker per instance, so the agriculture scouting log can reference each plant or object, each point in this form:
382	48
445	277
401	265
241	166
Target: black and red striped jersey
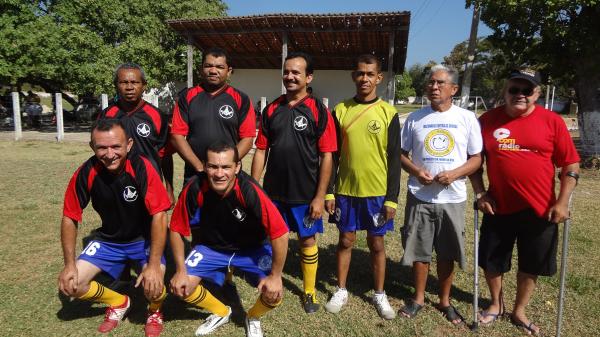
295	137
244	218
226	115
147	125
125	202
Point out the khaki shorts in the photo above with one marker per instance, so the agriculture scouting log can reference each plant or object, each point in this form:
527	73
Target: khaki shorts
429	227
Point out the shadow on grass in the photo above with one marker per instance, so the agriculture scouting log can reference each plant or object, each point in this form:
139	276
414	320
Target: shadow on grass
398	279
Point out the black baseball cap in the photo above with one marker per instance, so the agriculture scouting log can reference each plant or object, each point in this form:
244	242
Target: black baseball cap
526	74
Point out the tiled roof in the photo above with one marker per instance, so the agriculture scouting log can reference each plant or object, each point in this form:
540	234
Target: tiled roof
334	40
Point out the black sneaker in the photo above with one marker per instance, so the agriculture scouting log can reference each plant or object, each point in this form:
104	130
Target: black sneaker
310	304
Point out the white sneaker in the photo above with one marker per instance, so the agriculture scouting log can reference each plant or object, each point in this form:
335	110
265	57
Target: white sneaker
212	322
384	309
337	301
253	328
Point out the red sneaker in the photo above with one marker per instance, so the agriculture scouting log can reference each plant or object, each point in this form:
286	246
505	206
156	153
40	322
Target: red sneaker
154	324
114	315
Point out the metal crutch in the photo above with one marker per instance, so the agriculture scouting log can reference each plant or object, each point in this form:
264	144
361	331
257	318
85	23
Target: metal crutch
563	269
475	266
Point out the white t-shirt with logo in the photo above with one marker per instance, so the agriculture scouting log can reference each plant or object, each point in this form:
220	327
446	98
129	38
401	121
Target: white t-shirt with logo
440	141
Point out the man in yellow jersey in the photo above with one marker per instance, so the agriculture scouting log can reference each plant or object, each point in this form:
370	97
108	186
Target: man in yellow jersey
368	179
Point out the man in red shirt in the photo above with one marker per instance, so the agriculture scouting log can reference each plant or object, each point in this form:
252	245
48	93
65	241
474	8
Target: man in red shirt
523	143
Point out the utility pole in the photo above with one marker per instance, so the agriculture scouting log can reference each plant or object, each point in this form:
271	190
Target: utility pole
466	83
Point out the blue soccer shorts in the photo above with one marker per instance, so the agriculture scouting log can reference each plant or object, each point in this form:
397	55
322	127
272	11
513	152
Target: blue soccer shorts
212	264
111	257
356	213
297	217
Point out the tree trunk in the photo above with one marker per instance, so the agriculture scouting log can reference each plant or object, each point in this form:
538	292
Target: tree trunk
588	94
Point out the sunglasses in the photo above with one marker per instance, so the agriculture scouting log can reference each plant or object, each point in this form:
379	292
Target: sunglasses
527	91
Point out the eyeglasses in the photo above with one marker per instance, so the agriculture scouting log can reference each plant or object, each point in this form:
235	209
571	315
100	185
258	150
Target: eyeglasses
527	91
431	83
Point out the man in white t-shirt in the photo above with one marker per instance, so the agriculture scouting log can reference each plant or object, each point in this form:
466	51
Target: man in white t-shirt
444	143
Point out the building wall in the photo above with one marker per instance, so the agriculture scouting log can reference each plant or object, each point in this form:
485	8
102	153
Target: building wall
336	85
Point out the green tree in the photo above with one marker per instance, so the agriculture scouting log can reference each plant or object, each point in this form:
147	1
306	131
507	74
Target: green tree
404	87
418	75
75	45
560	38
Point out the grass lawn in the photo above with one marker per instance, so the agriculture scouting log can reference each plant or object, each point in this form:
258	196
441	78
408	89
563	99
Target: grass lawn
32	182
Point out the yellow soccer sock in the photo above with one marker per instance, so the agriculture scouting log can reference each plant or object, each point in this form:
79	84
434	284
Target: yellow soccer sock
204	299
309	263
261	307
157	303
101	294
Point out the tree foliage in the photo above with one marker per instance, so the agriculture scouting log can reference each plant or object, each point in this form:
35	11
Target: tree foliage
558	37
418	75
75	44
404	87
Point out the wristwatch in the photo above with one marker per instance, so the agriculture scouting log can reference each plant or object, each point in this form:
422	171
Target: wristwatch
480	195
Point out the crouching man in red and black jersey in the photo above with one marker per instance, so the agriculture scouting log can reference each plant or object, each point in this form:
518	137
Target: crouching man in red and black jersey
230	219
127	193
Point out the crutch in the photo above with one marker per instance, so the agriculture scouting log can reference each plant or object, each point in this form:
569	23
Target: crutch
475	266
563	269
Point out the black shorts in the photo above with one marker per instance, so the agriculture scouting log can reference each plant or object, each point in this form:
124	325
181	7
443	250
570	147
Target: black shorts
537	241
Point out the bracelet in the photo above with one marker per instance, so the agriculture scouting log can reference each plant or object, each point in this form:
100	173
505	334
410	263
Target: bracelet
574	175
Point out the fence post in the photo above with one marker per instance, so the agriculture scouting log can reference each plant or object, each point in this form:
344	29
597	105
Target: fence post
17	115
104	99
60	127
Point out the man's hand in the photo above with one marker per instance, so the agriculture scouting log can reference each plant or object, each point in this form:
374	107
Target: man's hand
67	280
151	278
180	285
271	287
389	212
486	204
445	178
316	208
424	177
330	206
558	213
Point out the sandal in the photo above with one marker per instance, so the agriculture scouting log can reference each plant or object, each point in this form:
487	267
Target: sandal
410	309
485	313
452	314
530	328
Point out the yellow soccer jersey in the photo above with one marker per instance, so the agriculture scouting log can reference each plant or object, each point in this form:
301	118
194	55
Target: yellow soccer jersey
369	150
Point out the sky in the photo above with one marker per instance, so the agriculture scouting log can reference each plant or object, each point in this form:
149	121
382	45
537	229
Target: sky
436	26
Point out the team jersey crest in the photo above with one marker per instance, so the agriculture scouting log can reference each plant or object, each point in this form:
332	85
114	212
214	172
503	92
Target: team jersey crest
239	214
143	129
226	111
300	123
130	194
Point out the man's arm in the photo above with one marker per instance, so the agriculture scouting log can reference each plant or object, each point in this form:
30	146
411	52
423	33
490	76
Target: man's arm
244	146
152	276
271	287
471	165
166	165
318	202
67	279
485	203
258	163
179	282
422	175
184	149
559	212
335	163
